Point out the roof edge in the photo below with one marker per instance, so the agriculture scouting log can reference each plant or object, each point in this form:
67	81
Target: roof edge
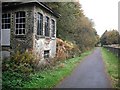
40	3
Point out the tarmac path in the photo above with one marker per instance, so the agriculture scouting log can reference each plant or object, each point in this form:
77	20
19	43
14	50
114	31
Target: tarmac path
90	73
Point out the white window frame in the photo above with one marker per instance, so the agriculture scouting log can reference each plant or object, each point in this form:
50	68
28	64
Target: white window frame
19	23
4	24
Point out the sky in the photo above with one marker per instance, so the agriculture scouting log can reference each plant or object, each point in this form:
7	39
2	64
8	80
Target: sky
104	13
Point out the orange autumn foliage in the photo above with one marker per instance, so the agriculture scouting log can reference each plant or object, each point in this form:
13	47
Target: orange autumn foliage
65	49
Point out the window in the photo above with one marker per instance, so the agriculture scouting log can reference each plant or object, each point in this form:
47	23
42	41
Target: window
6	21
46	54
40	24
47	31
5	34
20	23
53	28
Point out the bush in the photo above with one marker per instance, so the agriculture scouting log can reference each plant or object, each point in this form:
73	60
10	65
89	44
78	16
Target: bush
11	80
75	51
66	49
20	62
17	69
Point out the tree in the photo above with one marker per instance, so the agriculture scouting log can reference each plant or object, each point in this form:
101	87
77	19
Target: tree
73	25
110	37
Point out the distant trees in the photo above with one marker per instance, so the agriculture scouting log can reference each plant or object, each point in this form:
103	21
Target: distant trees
73	25
110	37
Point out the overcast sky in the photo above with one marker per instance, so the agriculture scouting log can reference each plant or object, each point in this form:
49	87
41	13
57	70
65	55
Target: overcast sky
103	12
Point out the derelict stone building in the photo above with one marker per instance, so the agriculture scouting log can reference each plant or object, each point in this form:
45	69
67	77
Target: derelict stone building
28	26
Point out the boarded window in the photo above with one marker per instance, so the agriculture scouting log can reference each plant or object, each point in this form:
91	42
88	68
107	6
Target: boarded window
47	29
40	24
20	23
5	34
53	28
46	54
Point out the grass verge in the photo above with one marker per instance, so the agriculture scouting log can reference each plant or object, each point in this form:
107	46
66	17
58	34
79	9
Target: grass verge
51	77
111	62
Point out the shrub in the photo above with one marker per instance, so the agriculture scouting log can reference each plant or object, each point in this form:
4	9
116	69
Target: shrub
20	62
75	51
66	49
17	69
11	79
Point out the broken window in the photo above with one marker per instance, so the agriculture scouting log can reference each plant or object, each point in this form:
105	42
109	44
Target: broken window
40	24
20	23
6	21
46	54
52	28
47	30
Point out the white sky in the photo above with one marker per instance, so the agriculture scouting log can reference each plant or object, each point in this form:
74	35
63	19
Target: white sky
103	12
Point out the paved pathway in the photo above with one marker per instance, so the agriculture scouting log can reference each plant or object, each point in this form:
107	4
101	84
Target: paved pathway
90	73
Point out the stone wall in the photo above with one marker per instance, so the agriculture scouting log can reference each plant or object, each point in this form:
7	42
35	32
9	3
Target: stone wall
42	43
23	42
31	41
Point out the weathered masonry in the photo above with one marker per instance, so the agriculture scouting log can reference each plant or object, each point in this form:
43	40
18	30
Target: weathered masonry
28	26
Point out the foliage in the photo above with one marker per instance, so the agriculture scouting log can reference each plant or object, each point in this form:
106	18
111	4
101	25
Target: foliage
111	62
20	62
110	37
77	34
12	79
46	78
66	49
19	66
74	26
49	78
17	69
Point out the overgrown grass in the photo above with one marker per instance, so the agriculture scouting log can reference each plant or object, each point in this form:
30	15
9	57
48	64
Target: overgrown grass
111	62
51	77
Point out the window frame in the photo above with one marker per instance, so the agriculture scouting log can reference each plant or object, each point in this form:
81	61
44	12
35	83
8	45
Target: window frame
47	29
20	23
46	54
53	28
8	19
41	24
